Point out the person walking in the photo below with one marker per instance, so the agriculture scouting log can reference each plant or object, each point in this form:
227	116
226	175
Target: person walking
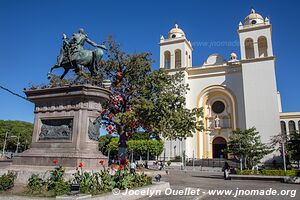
226	170
132	167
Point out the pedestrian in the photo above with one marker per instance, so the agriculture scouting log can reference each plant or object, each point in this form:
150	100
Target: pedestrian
160	165
132	167
226	170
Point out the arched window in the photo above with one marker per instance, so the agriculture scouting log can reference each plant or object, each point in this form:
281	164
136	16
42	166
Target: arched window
177	58
292	126
167	63
262	46
283	127
249	48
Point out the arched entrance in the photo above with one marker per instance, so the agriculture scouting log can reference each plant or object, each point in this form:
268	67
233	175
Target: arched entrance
219	118
219	144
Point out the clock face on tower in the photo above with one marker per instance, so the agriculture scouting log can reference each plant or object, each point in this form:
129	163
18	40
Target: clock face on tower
218	107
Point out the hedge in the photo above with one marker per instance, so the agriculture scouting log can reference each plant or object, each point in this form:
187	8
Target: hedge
270	172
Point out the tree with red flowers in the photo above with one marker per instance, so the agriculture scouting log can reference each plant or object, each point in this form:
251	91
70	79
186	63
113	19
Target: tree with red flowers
142	99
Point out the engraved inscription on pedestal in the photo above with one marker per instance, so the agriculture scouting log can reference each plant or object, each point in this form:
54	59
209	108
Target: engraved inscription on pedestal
56	129
93	130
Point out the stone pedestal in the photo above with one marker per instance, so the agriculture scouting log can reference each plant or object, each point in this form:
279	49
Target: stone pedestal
64	127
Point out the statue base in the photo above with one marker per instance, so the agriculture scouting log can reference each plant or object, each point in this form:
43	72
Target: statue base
64	126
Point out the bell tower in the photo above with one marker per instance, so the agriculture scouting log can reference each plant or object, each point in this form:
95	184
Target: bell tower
176	50
175	55
255	37
258	71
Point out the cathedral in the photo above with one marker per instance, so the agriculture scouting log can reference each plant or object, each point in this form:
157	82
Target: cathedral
234	92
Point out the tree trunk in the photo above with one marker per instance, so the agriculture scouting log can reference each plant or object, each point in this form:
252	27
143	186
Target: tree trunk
122	153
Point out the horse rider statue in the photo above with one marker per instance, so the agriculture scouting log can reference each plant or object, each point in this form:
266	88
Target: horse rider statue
74	56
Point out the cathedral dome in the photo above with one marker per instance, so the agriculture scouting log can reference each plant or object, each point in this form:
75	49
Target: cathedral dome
176	32
253	18
214	59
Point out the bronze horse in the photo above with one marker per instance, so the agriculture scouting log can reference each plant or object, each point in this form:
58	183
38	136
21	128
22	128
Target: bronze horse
81	59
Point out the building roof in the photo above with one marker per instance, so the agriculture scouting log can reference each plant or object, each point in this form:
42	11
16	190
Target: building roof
253	18
176	32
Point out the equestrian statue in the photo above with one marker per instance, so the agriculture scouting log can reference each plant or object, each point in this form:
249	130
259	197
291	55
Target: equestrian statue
74	56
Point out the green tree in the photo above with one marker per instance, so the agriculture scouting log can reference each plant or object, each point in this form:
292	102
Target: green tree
139	143
155	147
161	106
141	147
277	142
113	146
293	146
246	144
21	129
140	136
104	140
141	98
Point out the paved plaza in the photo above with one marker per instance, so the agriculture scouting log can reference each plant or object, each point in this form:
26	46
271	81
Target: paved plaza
206	181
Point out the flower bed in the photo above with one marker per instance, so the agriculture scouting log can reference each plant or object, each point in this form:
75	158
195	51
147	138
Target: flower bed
102	181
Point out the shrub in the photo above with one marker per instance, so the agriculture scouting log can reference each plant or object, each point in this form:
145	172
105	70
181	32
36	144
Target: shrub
36	185
270	172
142	180
169	162
274	172
7	181
177	159
56	181
56	175
61	187
90	183
293	173
248	172
93	183
107	182
123	179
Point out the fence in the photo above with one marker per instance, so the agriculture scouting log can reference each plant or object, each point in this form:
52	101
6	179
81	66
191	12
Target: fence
215	162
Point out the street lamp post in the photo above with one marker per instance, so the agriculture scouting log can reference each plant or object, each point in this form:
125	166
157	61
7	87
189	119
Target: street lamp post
18	143
193	160
183	156
4	144
241	159
283	152
5	140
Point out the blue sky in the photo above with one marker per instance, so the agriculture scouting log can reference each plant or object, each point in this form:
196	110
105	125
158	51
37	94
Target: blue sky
31	37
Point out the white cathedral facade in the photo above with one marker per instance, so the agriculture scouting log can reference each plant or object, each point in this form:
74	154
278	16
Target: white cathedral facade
234	93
